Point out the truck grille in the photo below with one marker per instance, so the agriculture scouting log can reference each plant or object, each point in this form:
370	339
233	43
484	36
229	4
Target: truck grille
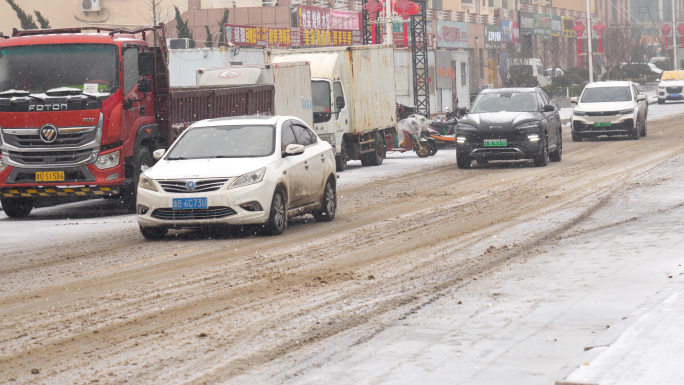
210	213
674	90
67	137
50	157
178	186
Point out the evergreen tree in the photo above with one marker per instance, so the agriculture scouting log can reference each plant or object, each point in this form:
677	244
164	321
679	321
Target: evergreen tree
26	20
182	29
222	29
210	41
44	23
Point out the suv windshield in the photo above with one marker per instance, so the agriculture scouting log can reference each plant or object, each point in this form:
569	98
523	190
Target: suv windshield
505	102
224	142
43	67
606	94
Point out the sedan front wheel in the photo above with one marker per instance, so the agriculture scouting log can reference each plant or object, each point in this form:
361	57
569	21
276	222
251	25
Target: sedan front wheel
277	219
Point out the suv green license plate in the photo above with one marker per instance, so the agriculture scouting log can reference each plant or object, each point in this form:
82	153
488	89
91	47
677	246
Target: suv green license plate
496	142
602	124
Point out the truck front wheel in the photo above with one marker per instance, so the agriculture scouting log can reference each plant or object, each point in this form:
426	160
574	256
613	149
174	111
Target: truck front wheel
17	207
342	158
142	161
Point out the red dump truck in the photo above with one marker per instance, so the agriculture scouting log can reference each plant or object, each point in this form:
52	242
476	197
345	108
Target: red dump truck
82	110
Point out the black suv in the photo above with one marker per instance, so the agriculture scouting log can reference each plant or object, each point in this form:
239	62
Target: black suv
510	124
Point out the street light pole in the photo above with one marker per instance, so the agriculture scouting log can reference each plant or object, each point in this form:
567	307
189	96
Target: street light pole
388	21
589	54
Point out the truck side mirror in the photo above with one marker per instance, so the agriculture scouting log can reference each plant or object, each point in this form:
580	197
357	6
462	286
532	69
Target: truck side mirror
145	63
144	85
339	102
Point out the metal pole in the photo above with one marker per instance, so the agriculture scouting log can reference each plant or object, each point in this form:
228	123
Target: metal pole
591	61
674	38
388	20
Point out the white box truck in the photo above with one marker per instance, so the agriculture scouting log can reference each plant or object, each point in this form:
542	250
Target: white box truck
292	82
354	99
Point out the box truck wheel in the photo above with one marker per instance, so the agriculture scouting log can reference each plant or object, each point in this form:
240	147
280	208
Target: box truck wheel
17	207
375	158
342	158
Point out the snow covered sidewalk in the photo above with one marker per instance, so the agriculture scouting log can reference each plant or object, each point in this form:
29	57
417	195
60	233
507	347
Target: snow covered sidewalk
647	348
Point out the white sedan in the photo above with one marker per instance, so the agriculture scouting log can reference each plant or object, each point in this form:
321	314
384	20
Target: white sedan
238	171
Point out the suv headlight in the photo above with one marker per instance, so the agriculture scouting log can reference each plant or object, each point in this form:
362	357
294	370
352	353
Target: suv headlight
466	127
579	113
108	160
249	178
527	125
626	112
146	183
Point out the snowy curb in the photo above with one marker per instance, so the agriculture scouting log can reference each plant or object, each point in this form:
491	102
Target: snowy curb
643	348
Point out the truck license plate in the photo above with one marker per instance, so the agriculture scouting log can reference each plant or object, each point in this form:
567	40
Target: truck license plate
602	124
189	203
49	176
496	142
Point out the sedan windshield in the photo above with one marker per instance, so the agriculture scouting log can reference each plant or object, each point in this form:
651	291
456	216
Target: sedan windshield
44	67
505	102
224	142
606	95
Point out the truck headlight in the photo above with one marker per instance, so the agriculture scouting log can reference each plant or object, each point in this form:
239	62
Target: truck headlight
249	178
108	160
626	112
3	166
146	183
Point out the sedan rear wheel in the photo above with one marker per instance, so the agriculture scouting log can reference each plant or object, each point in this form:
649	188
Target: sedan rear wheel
328	205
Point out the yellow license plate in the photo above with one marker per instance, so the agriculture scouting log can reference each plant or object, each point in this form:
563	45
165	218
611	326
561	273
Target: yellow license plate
49	176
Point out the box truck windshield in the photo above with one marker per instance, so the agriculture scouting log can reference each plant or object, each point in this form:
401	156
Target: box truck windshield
320	97
43	67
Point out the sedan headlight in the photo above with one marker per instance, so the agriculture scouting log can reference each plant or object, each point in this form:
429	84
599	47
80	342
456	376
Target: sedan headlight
626	112
579	113
108	160
146	183
528	125
249	178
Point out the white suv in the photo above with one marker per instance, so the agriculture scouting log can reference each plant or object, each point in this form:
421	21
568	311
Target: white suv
671	86
609	109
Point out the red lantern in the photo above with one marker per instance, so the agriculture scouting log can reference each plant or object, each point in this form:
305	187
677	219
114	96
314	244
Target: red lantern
372	7
599	27
681	33
666	31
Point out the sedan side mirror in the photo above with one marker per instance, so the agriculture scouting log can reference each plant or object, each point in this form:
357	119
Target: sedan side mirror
573	100
640	98
549	108
293	149
157	154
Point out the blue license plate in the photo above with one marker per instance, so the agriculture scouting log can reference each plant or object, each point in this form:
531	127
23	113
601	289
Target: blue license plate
189	203
674	95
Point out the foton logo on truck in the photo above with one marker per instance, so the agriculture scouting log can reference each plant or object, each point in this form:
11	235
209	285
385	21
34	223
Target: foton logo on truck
48	107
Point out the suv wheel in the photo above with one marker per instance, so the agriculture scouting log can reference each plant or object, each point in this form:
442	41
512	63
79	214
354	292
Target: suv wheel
644	128
557	155
462	161
636	132
542	159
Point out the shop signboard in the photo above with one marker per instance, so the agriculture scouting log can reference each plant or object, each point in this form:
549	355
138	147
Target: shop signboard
556	25
510	32
443	70
526	23
347	20
542	24
257	36
313	17
452	34
492	37
568	25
